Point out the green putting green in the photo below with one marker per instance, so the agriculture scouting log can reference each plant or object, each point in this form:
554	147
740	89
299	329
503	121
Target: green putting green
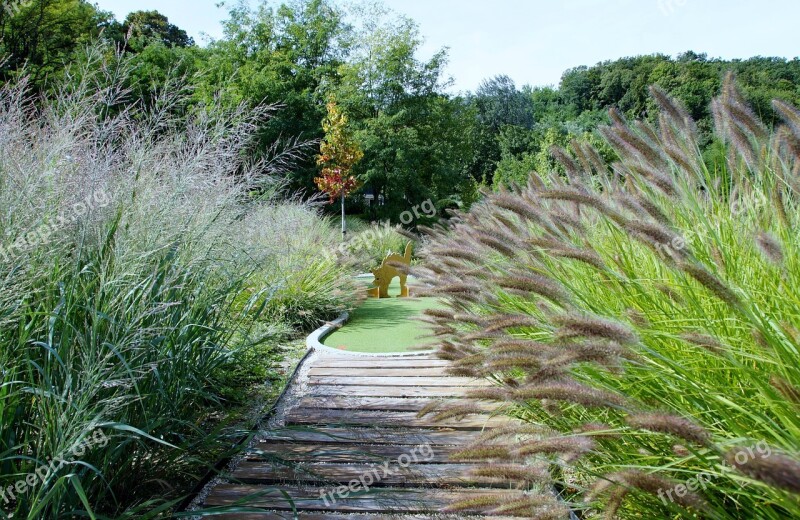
384	325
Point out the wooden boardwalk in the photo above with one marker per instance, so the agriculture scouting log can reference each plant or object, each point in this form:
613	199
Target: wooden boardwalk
356	427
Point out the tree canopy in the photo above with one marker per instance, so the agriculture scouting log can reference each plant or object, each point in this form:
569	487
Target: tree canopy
419	140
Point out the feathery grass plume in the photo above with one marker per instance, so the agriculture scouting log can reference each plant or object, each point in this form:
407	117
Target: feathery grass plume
564	220
615	500
458	289
513	361
670	293
470	362
772	468
476	453
520	346
652	209
480	335
511	321
743	116
514	432
577	445
570	166
569	391
705	341
652	177
533	508
430	407
587	256
787	389
647	130
779	203
441	330
587	199
479	503
790	114
580	154
649	483
461	253
710	282
492	242
662	240
471	319
689	165
439	313
521	207
534	283
465	372
638	318
770	247
674	109
522	474
580	325
505	219
680	450
672	425
488	394
458	412
638	145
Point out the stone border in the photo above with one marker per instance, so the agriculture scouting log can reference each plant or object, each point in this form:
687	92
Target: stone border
314	342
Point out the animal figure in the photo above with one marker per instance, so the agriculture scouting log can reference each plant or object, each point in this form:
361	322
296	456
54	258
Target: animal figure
393	265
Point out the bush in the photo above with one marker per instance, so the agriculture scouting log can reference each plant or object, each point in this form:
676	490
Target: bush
642	320
136	259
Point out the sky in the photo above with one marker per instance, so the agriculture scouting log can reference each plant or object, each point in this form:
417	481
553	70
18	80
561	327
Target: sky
535	41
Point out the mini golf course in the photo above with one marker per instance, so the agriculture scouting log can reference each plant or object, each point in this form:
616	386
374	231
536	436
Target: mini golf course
384	325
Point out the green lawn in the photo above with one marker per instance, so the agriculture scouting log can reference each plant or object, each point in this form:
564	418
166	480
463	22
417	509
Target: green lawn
384	325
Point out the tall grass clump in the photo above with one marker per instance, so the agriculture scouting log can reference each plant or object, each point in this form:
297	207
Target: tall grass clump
140	259
640	320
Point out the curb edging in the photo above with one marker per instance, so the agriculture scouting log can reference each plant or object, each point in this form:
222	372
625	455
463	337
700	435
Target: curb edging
314	342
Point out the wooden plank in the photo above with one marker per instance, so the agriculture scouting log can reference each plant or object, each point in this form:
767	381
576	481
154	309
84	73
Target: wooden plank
396	404
387	391
342	452
333	475
383	500
366	436
381	372
398	381
384	419
376	363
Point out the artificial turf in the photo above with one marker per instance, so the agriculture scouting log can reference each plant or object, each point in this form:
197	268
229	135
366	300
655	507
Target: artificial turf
384	325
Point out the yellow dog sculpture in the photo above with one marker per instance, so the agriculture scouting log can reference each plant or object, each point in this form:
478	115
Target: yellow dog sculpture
393	265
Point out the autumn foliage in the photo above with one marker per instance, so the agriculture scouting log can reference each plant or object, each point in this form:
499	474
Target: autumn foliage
339	152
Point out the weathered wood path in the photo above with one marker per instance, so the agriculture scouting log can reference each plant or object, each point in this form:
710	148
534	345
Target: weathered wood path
353	447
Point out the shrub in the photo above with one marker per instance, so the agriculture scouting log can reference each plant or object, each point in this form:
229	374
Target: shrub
135	262
642	318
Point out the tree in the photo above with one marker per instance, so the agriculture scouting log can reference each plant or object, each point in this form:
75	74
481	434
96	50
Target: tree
287	55
146	27
338	154
42	35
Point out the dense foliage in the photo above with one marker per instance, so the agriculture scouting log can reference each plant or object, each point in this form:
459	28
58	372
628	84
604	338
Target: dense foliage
640	320
419	142
141	278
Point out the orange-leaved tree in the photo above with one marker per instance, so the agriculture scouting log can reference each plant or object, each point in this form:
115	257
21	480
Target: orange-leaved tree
339	152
